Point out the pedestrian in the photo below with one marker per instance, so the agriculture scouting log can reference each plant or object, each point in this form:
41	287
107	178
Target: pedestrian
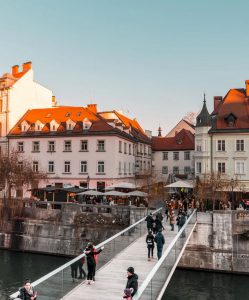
27	292
172	220
150	244
127	294
91	263
167	211
81	268
159	239
154	225
132	282
74	270
158	223
150	221
181	219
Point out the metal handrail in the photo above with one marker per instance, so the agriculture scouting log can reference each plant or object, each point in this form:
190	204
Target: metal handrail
161	260
61	268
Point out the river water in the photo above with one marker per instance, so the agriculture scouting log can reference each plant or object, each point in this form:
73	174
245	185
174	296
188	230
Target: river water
185	285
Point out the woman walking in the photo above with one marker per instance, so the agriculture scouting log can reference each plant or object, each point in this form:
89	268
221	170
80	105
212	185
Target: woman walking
150	244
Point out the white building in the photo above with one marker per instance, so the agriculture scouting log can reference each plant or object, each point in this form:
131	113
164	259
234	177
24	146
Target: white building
79	146
18	93
173	155
222	138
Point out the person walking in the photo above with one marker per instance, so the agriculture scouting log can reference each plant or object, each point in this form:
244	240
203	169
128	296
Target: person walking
81	268
181	219
150	221
27	292
127	294
160	241
91	263
132	281
158	223
150	244
172	220
74	270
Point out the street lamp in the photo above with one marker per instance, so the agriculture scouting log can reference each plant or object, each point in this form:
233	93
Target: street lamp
88	181
232	185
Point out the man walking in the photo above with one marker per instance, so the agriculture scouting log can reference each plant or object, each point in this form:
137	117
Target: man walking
132	283
149	219
159	239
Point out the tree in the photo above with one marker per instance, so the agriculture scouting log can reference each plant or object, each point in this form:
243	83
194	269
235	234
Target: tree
17	171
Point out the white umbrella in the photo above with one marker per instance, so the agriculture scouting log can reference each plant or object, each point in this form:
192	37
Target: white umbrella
137	193
115	193
91	193
122	185
180	184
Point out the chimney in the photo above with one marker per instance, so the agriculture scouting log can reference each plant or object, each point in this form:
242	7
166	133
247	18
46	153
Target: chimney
92	108
247	88
217	101
27	66
54	102
15	70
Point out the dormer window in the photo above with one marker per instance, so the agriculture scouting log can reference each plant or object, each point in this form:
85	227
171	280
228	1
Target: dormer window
86	124
54	125
38	126
24	126
230	120
70	124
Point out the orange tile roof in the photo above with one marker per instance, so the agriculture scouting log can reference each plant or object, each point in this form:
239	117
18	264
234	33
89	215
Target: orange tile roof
183	140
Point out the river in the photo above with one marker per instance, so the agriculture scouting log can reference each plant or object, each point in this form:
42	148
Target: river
185	285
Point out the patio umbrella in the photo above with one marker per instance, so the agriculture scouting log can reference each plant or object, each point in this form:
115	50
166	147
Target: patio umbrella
122	185
115	193
91	193
137	194
180	184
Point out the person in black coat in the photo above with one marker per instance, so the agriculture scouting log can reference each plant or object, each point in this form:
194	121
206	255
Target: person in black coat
27	292
132	282
149	219
150	244
91	263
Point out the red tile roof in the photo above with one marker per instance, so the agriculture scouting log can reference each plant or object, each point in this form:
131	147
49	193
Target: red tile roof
183	140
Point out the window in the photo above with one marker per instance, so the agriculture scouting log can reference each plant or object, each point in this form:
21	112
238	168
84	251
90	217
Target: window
67	167
120	147
20	146
165	155
186	170
129	170
240	167
221	167
198	167
176	155
35	166
51	146
129	149
240	145
83	166
101	167
101	146
51	167
187	155
67	146
20	165
145	150
164	170
84	145
125	148
198	148
120	168
221	145
175	170
125	168
36	146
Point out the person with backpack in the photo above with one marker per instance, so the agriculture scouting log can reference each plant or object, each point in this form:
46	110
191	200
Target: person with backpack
150	244
160	241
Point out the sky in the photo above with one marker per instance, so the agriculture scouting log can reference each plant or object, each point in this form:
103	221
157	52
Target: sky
151	59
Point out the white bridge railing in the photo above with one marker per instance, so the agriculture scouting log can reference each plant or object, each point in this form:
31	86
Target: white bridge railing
155	284
57	283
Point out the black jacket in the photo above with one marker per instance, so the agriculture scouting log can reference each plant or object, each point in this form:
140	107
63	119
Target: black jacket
149	219
150	240
24	295
90	252
132	283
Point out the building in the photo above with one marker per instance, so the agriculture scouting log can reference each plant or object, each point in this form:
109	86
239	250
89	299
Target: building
18	93
81	146
173	155
222	138
183	124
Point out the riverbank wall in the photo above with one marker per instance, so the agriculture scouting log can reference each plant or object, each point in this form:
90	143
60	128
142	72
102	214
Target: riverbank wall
61	229
220	243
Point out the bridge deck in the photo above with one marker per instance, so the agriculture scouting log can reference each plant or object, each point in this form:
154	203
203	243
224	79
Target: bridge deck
111	278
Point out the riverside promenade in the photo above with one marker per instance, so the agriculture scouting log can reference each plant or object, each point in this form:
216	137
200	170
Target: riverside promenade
112	277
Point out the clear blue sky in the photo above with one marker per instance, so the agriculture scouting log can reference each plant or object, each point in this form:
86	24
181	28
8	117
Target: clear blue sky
151	58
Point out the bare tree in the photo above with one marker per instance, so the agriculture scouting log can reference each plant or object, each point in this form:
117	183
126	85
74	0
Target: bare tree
17	172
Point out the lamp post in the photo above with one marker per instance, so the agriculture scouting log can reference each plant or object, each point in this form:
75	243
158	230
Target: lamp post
232	185
88	181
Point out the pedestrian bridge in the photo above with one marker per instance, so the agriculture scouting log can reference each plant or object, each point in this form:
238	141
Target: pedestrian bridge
124	249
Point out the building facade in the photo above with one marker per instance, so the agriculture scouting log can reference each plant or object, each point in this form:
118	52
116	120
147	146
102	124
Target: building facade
18	93
222	138
83	147
173	155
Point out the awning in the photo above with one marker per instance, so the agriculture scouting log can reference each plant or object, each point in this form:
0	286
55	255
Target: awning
122	185
137	194
115	193
91	193
180	184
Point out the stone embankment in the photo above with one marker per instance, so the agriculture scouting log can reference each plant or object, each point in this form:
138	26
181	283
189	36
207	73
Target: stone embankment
62	228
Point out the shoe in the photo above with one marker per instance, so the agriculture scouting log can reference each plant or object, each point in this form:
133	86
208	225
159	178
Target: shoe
148	259
92	282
